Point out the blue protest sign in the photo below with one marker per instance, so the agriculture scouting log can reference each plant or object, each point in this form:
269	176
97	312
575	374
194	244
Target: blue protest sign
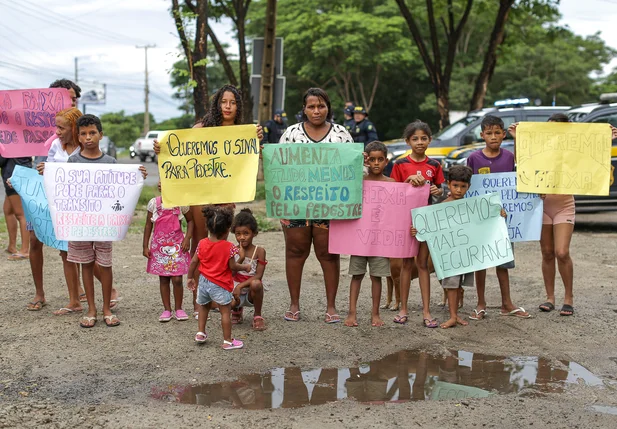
524	211
29	185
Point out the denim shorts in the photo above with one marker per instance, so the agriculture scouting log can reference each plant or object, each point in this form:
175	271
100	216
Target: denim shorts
208	292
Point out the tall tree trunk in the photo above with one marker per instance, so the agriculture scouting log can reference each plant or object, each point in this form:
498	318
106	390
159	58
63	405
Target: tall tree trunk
440	76
195	53
245	79
490	59
200	93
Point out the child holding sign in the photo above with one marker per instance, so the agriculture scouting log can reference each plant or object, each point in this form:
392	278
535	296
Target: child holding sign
418	169
215	258
458	184
168	252
492	159
86	253
376	160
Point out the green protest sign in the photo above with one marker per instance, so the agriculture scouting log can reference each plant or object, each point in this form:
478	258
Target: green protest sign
314	180
464	235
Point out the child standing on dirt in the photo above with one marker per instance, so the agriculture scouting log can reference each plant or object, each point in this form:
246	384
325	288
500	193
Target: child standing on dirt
376	159
492	159
215	258
418	169
459	179
168	252
248	287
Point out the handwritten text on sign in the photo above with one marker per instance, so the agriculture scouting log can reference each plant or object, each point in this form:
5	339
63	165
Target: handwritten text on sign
28	119
465	235
563	158
92	202
208	165
524	211
313	181
383	229
28	183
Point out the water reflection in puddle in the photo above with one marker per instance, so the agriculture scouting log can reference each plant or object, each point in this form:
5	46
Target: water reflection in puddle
403	376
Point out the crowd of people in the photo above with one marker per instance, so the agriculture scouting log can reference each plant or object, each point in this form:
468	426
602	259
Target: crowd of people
227	277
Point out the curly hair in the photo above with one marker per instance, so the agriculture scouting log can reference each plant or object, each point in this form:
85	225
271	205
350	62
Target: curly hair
245	218
460	173
218	218
72	114
89	119
67	84
214	115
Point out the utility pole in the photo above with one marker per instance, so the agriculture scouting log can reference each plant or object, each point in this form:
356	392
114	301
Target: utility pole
267	65
146	90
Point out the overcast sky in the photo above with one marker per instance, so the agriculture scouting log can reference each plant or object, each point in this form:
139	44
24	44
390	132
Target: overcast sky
39	40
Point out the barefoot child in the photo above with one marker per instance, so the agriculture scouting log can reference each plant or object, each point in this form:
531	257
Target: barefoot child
168	253
459	179
215	258
418	169
492	159
86	253
376	160
248	287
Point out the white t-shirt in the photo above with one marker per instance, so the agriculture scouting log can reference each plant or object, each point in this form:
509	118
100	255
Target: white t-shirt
152	209
297	134
58	154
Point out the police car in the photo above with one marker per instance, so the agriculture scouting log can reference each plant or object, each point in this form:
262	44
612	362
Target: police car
590	113
464	134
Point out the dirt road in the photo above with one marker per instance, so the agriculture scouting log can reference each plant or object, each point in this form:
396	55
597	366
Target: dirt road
54	374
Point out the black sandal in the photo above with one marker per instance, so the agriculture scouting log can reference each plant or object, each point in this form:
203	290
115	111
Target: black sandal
566	310
547	307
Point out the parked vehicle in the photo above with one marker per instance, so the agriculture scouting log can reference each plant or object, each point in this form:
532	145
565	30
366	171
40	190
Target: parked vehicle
108	147
600	113
465	134
144	147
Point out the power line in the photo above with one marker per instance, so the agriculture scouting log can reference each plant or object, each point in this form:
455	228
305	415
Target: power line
65	23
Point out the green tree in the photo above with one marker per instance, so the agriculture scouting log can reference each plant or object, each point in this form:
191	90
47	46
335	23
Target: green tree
121	129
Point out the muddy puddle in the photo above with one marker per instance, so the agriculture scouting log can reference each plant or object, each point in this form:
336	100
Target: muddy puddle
400	377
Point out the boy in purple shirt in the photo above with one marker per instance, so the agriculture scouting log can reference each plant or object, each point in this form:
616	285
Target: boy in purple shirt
491	159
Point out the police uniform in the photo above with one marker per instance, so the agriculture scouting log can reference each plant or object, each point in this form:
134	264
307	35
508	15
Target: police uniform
273	130
349	124
363	131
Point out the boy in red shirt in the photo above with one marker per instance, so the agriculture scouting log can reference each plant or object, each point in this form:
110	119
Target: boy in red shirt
418	169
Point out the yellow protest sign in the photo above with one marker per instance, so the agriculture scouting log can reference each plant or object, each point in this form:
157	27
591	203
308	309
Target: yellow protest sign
563	158
208	165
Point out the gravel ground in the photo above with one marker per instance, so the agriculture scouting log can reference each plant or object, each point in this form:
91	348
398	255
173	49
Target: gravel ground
54	374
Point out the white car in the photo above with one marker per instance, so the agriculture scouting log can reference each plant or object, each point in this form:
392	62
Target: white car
144	147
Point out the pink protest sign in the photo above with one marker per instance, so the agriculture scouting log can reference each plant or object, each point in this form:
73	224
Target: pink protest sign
383	229
28	120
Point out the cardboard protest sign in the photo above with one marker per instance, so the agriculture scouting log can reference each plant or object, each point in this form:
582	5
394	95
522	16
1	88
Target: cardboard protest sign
92	202
209	165
383	229
524	211
464	235
442	391
563	158
314	180
28	183
28	120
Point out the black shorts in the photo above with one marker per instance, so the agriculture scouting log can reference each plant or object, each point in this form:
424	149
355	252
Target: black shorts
7	165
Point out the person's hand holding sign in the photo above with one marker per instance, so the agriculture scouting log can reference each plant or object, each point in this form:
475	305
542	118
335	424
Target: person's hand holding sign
416	180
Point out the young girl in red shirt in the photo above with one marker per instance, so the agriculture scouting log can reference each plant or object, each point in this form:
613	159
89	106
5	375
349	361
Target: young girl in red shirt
215	259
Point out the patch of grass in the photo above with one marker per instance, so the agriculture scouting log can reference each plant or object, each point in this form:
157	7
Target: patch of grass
147	193
260	193
2	225
264	224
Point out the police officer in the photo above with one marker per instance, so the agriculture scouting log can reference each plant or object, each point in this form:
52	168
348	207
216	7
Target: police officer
349	123
364	130
275	127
